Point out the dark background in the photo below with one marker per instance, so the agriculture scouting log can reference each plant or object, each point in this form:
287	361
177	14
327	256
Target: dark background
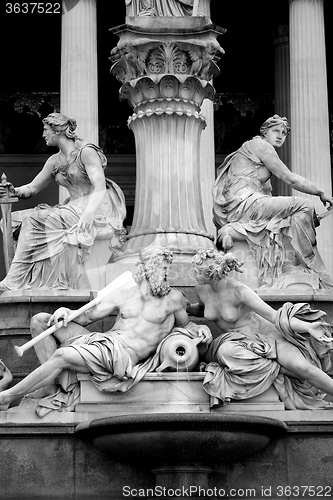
30	62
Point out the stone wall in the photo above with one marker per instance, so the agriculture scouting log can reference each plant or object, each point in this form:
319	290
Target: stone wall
48	462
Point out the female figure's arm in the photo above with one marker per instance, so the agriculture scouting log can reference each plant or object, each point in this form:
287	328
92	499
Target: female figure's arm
41	181
95	172
280	170
249	298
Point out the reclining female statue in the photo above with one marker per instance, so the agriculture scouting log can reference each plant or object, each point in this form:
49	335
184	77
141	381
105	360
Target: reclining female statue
55	242
280	230
291	348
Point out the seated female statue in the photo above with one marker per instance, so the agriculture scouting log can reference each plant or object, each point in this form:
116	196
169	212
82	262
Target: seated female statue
290	348
280	230
54	242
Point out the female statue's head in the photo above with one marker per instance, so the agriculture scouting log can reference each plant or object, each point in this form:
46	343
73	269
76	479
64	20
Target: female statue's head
273	121
61	124
214	265
152	266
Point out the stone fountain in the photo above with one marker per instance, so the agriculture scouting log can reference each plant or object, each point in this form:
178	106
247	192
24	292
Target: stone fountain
166	66
181	449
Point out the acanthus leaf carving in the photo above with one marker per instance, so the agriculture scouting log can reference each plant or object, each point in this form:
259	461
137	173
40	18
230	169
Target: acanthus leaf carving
157	58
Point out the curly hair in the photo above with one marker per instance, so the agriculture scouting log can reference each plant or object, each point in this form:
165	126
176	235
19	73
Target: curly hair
150	259
272	122
61	124
218	263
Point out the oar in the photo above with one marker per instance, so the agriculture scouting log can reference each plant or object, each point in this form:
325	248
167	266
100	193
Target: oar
123	281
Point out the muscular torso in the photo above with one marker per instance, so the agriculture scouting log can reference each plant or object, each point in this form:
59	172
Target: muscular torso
144	321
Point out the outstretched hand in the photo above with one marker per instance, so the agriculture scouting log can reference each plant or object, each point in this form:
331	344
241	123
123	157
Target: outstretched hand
6	189
320	330
326	199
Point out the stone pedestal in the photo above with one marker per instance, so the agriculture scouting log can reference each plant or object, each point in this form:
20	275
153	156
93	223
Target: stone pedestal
165	66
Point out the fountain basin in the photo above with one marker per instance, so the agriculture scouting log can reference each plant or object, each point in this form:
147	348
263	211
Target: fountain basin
164	439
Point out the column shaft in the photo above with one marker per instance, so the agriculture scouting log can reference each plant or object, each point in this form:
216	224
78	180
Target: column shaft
78	90
168	183
207	148
309	107
282	98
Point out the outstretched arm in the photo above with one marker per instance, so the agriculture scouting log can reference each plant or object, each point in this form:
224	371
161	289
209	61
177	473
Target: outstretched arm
41	181
278	168
249	298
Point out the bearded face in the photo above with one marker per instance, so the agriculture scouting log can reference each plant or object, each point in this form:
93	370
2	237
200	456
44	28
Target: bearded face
153	267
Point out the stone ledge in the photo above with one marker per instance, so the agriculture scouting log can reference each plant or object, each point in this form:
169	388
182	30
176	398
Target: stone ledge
27	423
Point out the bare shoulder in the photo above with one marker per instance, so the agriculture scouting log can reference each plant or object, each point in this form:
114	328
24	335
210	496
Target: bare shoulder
236	289
129	294
243	292
121	297
51	162
177	297
89	155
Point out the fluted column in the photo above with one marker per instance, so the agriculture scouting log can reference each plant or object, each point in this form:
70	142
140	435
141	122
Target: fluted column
309	107
207	147
282	97
167	130
78	85
78	90
207	164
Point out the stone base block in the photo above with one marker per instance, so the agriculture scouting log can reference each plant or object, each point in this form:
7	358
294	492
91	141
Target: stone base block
156	393
267	401
167	393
